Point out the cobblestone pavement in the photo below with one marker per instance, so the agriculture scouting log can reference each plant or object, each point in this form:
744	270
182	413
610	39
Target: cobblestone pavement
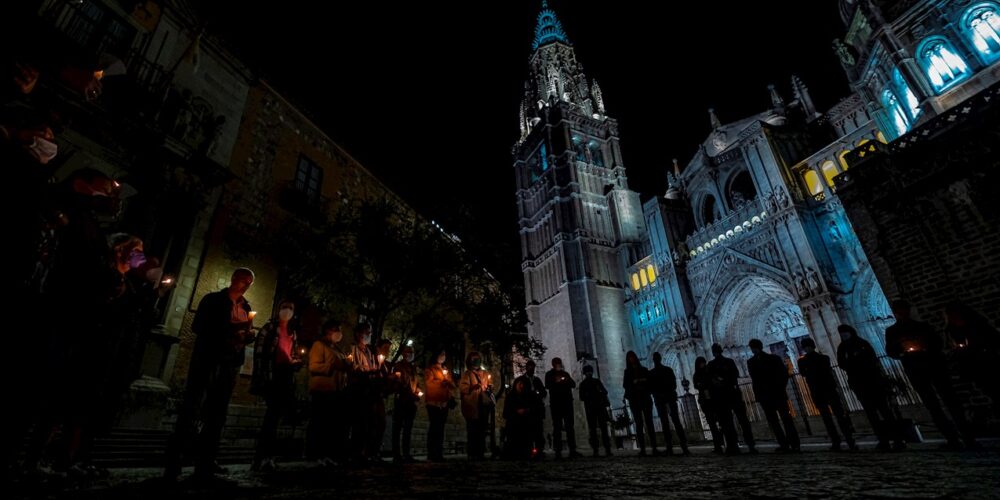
920	472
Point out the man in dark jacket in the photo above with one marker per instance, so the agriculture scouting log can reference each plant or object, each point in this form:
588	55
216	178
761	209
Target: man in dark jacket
921	350
815	367
594	396
404	409
724	378
224	327
560	386
770	378
864	374
664	388
536	385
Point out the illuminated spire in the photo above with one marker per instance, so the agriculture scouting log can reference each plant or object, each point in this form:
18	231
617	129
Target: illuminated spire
549	29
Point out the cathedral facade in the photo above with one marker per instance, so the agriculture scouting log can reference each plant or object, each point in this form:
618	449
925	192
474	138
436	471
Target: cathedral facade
750	240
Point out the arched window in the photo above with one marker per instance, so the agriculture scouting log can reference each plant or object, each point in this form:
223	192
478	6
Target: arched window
983	25
642	278
943	66
651	273
581	150
635	281
895	111
741	189
709	211
843	159
812	182
829	172
596	153
903	89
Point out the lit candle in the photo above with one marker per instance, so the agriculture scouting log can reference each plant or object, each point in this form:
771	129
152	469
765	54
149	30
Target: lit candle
381	358
420	394
168	280
303	350
251	315
397	374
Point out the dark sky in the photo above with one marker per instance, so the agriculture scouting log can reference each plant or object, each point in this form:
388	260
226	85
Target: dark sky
426	94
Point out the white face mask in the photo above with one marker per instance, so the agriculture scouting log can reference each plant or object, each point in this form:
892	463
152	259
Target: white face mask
43	150
441	359
286	314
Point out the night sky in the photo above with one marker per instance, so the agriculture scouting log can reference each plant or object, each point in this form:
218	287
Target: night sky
426	94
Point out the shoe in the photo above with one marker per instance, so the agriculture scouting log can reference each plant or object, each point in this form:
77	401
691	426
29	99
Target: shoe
782	449
397	460
735	451
597	453
720	451
899	446
218	469
952	446
642	452
210	481
268	465
608	453
558	455
852	445
76	472
408	459
669	452
686	452
574	454
753	450
835	447
656	452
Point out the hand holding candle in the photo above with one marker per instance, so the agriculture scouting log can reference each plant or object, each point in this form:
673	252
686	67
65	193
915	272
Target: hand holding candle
381	358
251	315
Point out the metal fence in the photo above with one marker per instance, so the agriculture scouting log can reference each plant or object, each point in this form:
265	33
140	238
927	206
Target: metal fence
802	407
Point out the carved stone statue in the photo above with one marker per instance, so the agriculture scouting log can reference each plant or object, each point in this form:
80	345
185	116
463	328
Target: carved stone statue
801	286
843	52
814	282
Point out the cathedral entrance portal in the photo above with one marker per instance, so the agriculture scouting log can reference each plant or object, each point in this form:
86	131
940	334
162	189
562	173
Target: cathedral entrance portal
755	306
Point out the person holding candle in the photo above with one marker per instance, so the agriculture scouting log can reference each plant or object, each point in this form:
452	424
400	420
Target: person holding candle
404	406
519	406
438	400
536	385
382	386
223	326
921	350
328	429
275	361
364	393
475	388
560	386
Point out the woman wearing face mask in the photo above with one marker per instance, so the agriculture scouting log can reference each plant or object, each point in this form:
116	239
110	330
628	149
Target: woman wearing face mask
439	400
474	387
364	393
408	393
275	360
326	436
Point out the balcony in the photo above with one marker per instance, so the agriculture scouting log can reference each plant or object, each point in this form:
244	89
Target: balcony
744	220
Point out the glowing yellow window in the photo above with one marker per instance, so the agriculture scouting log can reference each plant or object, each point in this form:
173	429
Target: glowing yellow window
635	281
881	138
642	276
651	273
862	142
829	172
812	182
843	161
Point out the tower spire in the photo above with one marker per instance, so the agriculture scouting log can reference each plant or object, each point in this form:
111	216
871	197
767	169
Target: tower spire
776	100
715	119
548	29
805	100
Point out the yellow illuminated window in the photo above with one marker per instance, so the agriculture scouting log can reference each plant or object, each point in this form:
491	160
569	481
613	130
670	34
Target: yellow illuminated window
635	281
881	138
651	273
843	161
829	172
812	182
642	276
